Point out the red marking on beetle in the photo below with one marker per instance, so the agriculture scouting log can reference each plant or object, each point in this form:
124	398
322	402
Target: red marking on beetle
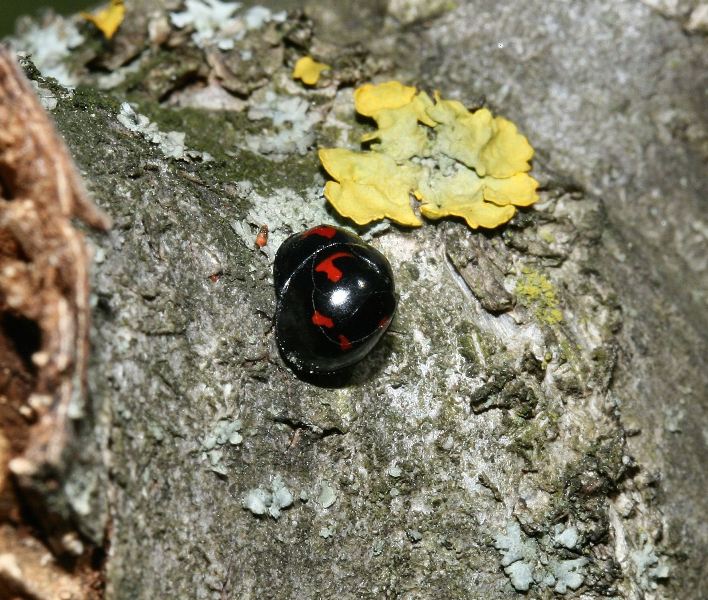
344	342
327	266
323	230
322	320
383	322
214	277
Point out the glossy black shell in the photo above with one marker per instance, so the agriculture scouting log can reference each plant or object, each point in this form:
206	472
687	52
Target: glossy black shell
335	299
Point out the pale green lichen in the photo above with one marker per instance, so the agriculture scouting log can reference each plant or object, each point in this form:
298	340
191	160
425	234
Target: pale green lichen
527	562
259	501
256	501
566	537
568	574
394	471
648	565
326	532
327	496
170	143
225	433
293	124
214	23
535	290
50	43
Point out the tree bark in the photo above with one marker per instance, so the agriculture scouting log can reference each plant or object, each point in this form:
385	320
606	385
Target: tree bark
487	447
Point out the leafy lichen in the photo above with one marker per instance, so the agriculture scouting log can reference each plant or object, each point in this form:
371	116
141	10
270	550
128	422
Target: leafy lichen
108	19
308	70
455	162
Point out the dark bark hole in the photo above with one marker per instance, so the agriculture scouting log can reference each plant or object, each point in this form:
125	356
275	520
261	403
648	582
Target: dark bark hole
5	185
10	247
23	335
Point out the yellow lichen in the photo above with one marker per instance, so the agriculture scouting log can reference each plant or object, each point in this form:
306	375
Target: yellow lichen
399	134
489	145
370	99
461	195
536	291
455	162
108	19
369	186
309	70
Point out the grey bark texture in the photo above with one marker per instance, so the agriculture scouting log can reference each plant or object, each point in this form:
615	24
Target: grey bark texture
535	420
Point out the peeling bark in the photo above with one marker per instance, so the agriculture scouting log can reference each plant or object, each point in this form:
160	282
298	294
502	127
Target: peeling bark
45	316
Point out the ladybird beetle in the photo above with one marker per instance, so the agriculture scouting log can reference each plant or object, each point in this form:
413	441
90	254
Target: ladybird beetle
335	299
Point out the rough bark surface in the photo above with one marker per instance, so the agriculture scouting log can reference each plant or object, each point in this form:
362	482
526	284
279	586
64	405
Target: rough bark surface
535	421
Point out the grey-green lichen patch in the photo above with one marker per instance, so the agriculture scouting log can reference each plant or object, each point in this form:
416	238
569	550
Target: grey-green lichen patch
650	568
221	24
327	495
566	537
217	132
49	43
256	501
515	547
221	135
414	535
211	21
225	433
528	562
567	574
636	550
170	143
395	471
293	123
47	98
326	532
284	211
377	548
272	501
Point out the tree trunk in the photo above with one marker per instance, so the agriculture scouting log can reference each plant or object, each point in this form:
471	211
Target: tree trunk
535	417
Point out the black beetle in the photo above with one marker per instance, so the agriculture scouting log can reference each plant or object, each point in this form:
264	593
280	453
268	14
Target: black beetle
335	298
